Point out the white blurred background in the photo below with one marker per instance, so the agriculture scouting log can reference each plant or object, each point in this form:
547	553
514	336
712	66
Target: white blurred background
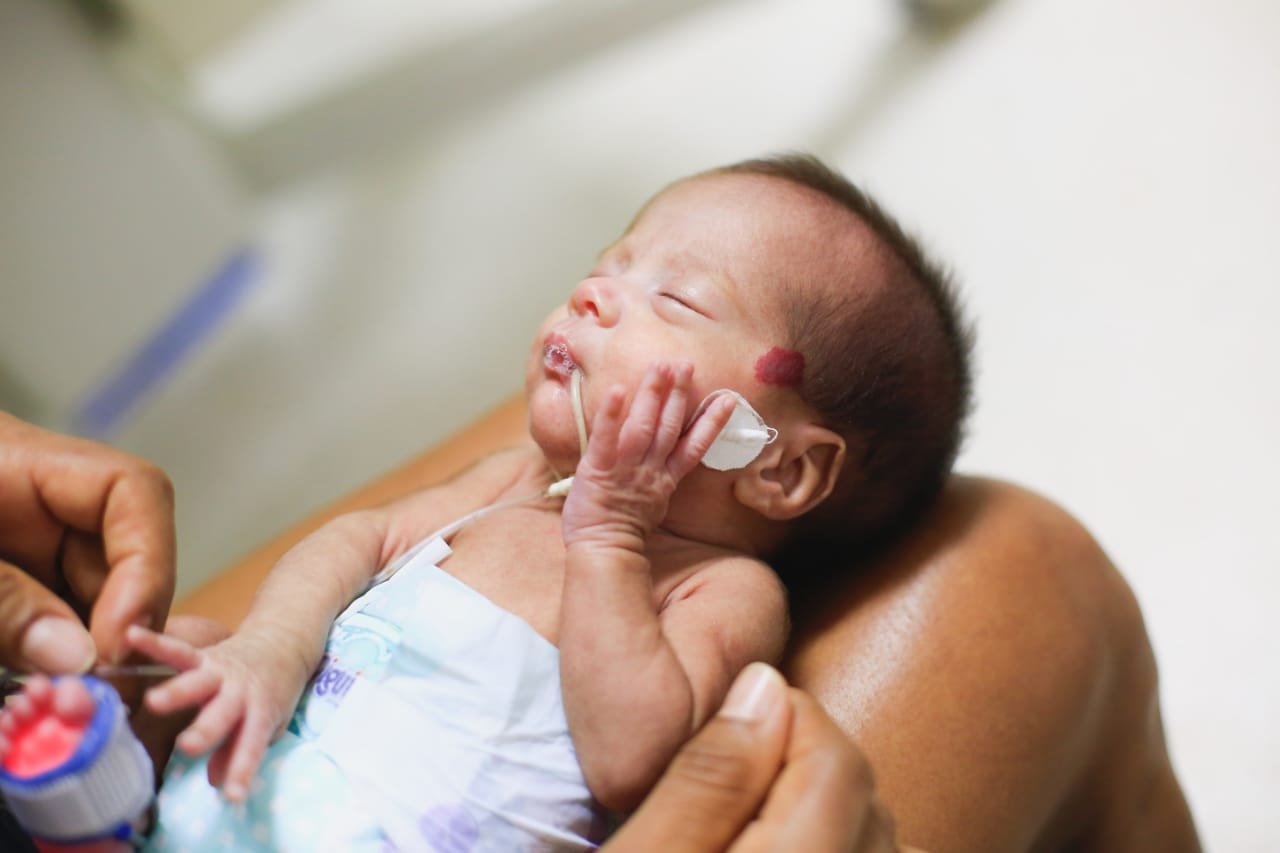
278	246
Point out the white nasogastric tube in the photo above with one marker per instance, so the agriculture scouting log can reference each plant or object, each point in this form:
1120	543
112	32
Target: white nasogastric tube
579	414
558	489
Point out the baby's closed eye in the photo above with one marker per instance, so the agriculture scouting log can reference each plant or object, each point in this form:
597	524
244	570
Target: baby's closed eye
675	301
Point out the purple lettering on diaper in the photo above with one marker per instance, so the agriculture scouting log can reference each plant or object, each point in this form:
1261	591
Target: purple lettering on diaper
332	681
449	829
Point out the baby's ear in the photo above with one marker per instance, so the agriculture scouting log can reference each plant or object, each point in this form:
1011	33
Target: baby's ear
794	474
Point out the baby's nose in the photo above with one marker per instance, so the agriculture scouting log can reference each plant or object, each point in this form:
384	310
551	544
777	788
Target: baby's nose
597	299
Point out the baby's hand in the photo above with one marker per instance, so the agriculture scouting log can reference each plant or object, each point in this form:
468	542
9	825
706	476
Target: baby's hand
245	698
634	463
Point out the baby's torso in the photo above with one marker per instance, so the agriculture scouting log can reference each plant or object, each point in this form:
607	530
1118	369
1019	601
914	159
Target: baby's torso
434	723
515	557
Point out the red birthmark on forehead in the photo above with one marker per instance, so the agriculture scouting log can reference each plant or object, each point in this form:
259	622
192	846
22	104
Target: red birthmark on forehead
780	366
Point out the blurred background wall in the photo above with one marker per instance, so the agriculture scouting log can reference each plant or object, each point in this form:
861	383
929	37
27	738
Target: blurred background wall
278	246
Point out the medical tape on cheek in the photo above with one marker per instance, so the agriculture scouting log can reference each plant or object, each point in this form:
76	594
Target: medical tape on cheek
741	440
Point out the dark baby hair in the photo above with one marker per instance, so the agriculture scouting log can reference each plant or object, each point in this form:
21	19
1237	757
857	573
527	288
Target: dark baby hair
887	355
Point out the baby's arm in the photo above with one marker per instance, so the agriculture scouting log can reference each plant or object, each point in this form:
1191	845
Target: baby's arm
248	684
638	684
638	680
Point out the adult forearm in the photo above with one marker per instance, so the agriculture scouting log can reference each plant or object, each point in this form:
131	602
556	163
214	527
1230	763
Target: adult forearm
627	697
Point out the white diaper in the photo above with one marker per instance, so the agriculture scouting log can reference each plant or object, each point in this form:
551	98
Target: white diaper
435	723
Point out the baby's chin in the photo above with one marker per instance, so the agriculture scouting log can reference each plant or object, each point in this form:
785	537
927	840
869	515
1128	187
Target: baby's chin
556	435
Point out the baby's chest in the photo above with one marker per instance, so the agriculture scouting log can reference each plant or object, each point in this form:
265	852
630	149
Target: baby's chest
515	558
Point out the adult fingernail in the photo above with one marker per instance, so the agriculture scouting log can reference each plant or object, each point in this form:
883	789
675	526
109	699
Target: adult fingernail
58	646
754	692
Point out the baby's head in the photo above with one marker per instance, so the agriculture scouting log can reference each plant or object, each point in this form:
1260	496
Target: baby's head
780	280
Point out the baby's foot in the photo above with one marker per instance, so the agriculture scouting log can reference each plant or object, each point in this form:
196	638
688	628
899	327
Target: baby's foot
41	727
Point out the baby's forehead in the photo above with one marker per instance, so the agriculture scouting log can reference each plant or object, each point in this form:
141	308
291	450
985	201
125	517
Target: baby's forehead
769	235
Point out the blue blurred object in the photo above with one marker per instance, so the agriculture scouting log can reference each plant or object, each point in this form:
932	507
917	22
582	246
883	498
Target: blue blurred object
107	407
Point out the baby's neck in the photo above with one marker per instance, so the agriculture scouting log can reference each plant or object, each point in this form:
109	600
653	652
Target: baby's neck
703	512
720	522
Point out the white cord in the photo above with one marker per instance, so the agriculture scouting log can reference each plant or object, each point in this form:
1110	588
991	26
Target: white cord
579	416
558	489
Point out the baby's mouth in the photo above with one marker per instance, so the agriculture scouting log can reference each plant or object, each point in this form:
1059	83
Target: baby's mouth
557	358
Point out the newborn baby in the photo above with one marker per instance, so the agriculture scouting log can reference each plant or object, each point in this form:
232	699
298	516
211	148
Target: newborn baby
524	682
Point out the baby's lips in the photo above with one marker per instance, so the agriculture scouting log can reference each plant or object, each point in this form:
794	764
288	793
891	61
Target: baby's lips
558	356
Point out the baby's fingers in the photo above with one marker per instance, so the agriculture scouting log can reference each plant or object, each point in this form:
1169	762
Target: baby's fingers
191	688
671	418
214	722
698	440
167	649
249	746
647	405
603	447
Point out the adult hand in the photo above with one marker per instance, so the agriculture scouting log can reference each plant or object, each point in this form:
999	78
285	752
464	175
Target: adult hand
86	535
771	771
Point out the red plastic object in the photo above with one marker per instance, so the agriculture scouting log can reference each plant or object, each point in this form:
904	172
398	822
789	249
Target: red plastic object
42	745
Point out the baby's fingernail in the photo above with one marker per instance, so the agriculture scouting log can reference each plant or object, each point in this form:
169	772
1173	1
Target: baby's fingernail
57	645
235	792
754	693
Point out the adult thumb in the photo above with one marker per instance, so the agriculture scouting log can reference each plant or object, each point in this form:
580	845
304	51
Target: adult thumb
38	631
717	782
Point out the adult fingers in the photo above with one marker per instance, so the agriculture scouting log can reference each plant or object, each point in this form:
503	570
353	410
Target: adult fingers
54	485
138	542
83	570
824	798
717	782
39	631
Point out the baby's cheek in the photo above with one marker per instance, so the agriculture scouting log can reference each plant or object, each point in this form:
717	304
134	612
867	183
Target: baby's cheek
781	367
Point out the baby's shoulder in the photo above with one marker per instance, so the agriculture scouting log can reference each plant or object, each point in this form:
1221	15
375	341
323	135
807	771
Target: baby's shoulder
709	571
731	600
506	471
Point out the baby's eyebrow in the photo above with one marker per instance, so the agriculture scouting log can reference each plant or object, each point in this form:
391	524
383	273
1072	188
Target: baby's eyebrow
686	260
623	255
